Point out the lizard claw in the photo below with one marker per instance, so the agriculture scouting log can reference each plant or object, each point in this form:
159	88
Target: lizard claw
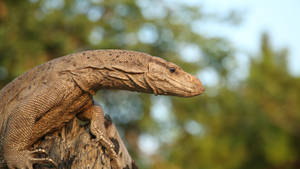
26	159
43	160
110	149
39	151
108	145
33	160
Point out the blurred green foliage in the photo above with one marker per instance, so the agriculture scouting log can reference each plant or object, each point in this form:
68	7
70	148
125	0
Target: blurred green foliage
254	124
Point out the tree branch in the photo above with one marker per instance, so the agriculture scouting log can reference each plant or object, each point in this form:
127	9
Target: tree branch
73	147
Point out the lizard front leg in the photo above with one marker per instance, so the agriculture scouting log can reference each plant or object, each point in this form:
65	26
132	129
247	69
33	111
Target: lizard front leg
20	126
96	116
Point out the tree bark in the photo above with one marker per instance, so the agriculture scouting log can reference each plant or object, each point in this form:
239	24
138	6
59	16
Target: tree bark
73	147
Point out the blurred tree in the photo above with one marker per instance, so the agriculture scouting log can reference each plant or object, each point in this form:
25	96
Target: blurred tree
38	30
254	125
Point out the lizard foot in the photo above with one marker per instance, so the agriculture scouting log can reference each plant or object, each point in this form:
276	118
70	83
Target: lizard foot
110	149
26	159
97	128
108	145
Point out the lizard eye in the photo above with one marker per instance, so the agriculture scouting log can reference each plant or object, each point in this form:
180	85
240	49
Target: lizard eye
172	69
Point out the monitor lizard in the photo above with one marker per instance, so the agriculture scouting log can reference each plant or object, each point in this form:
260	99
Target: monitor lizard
48	96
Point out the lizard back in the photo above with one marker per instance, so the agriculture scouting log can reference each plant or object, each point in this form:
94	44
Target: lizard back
23	86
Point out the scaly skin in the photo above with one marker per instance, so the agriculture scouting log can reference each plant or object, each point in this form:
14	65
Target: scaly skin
45	98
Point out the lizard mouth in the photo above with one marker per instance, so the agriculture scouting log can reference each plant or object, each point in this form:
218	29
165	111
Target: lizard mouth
179	88
189	89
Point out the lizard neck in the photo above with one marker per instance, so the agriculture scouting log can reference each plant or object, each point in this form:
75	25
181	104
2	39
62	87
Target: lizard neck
111	69
90	80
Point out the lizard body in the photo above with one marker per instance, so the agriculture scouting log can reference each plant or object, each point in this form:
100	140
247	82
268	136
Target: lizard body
50	95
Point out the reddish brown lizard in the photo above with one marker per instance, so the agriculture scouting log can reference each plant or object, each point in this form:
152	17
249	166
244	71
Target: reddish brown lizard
50	95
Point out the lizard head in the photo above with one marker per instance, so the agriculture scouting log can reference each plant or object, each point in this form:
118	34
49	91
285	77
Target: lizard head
166	78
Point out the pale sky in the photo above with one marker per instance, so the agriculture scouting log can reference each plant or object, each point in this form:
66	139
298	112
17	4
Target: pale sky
280	18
